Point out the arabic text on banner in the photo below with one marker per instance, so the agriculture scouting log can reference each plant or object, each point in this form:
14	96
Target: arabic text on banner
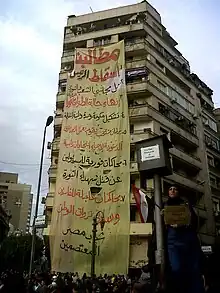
93	166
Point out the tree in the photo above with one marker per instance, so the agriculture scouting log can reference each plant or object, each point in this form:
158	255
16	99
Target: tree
15	252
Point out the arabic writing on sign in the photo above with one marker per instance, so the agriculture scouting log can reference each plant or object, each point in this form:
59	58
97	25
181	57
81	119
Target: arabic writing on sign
87	161
97	56
100	236
93	131
80	101
103	75
107	197
80	212
80	248
83	73
92	146
104	117
96	89
97	180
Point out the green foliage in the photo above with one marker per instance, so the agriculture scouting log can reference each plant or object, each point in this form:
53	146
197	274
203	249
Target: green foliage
15	252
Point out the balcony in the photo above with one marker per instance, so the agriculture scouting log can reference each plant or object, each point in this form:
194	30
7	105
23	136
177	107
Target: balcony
214	167
61	97
136	63
52	172
63	75
50	200
88	34
140	135
215	187
186	142
140	229
137	87
212	144
141	112
183	181
55	146
185	169
178	119
135	48
58	121
185	157
68	58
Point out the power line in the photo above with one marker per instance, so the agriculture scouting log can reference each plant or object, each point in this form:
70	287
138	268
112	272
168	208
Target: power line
18	164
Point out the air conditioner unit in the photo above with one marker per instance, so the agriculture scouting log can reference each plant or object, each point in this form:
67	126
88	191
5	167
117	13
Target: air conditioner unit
207	123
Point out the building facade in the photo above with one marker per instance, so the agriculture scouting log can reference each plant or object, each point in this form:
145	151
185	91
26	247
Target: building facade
164	98
16	199
4	223
214	165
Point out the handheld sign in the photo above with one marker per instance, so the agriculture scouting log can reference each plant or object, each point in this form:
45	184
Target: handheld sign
177	215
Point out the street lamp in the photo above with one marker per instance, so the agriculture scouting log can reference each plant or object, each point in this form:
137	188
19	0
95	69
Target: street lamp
48	122
94	231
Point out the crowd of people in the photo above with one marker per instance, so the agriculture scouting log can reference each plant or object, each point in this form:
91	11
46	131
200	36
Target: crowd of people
11	282
187	269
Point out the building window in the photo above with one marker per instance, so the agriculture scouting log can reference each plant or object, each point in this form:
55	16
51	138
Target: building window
131	128
3	187
216	205
62	87
212	180
157	28
102	41
162	87
175	96
160	65
158	47
211	161
212	143
209	123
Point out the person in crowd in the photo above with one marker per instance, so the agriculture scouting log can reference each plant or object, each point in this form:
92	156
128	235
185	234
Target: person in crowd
184	251
144	283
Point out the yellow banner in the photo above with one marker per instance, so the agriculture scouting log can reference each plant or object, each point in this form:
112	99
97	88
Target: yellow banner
94	168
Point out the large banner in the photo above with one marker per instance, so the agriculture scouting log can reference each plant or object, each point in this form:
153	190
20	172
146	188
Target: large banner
94	168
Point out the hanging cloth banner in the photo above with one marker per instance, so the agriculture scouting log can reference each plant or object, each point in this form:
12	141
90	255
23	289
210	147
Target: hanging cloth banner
93	167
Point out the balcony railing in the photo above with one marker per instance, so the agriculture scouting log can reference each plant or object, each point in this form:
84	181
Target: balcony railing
178	119
61	97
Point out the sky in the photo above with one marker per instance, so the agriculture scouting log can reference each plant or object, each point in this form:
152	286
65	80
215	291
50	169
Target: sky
31	34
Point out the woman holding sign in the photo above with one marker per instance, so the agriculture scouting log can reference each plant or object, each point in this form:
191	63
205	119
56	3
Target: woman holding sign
184	252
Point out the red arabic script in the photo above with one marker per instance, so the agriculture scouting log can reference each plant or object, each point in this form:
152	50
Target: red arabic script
97	56
80	101
92	146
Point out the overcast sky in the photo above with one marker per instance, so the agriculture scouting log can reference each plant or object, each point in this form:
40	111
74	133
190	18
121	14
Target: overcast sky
31	35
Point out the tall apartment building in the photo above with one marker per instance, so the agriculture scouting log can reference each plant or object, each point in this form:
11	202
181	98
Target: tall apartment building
17	199
217	117
164	98
214	165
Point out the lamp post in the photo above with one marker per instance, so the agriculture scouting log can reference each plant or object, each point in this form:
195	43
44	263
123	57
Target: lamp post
48	122
94	231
